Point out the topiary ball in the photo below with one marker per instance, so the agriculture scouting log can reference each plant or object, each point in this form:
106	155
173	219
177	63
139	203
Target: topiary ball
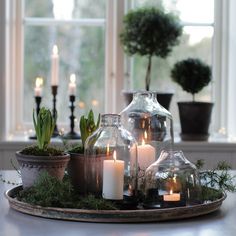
191	74
150	31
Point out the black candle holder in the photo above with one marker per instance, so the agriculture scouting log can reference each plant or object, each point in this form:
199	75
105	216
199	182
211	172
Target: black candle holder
38	100
54	110
72	134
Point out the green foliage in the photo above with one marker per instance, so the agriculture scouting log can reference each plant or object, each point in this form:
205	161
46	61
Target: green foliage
191	74
44	125
217	178
150	32
88	125
51	192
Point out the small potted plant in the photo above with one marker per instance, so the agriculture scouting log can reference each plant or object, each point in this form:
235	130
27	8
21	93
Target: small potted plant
76	163
150	32
193	75
35	159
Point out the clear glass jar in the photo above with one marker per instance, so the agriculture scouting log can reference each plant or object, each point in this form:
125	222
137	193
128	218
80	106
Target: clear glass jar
111	160
151	125
172	181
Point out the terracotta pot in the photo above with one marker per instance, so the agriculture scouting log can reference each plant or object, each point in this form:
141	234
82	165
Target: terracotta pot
76	171
195	118
163	98
32	166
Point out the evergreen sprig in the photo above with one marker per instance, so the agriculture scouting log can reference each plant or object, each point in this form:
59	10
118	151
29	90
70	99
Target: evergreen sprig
218	178
48	191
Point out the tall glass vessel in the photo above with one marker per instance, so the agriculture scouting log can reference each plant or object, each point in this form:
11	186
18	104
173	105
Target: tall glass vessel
111	160
151	125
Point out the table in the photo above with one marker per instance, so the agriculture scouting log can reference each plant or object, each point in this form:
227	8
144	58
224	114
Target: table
13	223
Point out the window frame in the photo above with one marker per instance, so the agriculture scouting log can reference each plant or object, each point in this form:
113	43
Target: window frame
11	48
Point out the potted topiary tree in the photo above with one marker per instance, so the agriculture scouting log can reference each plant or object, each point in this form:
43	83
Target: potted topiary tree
193	75
76	163
35	159
150	32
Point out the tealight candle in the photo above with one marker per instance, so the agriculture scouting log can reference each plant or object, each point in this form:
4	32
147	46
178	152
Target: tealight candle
38	87
54	66
113	178
72	85
172	197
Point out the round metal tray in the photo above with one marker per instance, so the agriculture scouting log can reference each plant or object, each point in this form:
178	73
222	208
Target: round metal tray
112	216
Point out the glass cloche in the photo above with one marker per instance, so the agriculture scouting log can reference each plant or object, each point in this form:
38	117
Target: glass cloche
111	160
151	125
172	181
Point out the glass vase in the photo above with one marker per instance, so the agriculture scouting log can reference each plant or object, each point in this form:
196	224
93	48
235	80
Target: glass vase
111	160
172	181
151	125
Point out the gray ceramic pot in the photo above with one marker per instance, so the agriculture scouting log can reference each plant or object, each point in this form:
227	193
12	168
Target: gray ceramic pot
32	166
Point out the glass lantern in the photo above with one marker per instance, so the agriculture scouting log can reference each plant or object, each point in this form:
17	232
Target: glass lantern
151	125
111	160
172	181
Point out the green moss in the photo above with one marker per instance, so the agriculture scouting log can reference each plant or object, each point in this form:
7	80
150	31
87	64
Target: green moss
36	151
76	149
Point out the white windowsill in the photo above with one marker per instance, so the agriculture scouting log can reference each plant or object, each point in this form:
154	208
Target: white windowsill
214	144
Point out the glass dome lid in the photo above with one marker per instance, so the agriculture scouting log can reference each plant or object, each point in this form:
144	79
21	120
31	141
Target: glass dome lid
172	181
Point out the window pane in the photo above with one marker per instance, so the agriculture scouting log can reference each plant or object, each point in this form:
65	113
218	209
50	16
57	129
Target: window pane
65	9
81	51
195	11
195	42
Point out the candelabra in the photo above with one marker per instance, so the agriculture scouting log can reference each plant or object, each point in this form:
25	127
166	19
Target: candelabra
54	110
38	100
72	134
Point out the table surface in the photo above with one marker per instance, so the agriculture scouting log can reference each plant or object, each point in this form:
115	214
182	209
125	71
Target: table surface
13	223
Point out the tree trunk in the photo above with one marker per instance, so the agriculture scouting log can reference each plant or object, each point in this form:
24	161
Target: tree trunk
148	74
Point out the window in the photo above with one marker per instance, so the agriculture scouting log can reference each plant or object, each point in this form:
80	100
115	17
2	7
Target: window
79	32
87	35
196	41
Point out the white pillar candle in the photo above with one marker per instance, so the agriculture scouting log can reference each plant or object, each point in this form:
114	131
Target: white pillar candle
54	66
38	87
72	85
146	155
113	179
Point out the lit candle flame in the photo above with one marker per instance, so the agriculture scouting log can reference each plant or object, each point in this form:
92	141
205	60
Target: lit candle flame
72	78
174	179
171	191
38	82
114	155
55	50
145	134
